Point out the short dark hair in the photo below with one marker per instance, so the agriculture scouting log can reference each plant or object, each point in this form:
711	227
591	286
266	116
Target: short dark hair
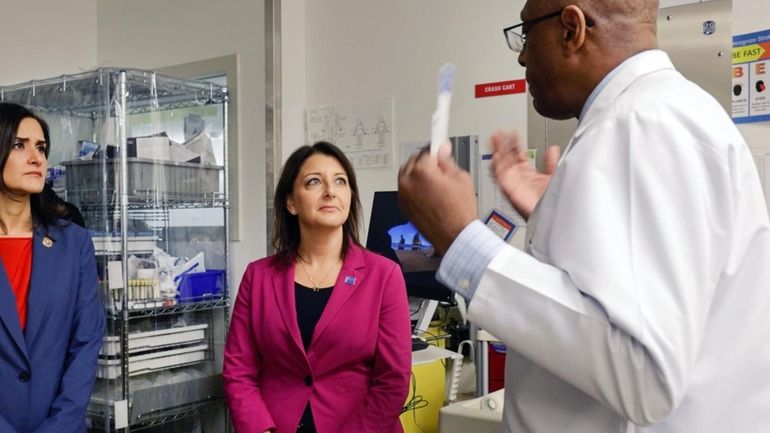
11	115
286	235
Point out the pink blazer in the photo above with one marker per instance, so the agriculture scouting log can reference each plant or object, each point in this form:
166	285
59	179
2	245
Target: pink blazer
356	371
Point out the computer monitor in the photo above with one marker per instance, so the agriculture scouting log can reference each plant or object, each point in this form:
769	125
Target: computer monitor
394	236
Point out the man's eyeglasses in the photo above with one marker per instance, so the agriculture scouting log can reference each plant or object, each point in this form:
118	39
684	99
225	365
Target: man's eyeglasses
517	41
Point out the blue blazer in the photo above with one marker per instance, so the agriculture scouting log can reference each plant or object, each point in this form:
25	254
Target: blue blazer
47	372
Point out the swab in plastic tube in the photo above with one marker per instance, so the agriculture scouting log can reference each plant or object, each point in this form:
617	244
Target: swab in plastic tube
440	121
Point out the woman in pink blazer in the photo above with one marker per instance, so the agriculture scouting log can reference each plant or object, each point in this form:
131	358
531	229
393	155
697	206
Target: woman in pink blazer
320	334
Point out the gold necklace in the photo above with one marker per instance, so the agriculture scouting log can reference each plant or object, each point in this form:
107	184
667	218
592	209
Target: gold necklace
316	286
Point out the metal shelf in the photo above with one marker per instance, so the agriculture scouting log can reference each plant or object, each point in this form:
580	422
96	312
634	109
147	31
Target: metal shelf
84	94
181	412
145	199
121	195
172	309
104	421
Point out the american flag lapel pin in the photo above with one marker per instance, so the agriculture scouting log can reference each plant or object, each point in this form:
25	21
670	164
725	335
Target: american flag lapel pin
350	280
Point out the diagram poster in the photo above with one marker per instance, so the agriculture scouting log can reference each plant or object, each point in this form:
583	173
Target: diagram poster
364	131
751	77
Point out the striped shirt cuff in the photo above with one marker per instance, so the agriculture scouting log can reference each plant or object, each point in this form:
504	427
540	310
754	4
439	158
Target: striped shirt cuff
466	260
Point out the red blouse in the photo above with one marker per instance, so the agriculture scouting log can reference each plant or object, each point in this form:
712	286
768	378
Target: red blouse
16	254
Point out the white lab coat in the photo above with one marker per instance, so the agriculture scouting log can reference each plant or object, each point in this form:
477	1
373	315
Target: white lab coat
645	303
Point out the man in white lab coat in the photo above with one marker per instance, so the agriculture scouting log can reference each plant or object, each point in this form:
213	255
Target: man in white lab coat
642	303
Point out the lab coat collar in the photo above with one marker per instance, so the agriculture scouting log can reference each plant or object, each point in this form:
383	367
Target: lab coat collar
632	69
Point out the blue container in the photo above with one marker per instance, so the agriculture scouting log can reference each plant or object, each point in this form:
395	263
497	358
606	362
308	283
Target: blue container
201	286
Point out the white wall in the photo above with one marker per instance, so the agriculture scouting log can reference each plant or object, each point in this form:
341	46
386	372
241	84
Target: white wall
362	50
293	75
335	51
47	38
365	50
151	34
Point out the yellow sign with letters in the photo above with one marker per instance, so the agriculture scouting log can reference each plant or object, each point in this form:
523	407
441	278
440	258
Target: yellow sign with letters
748	53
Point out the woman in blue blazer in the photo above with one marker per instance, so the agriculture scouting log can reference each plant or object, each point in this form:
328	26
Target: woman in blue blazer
51	318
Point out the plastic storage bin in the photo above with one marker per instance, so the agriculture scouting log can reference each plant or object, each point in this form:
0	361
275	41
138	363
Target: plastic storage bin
154	393
144	176
152	361
201	286
152	340
113	243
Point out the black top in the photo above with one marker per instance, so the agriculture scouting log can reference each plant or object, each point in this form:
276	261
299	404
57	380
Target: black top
310	304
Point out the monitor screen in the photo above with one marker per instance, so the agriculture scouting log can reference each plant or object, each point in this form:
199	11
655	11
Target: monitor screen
393	236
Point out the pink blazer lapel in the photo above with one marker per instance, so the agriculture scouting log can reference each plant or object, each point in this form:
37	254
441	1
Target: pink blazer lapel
283	287
350	278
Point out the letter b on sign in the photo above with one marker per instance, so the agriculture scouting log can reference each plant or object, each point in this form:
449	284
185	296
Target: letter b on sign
738	72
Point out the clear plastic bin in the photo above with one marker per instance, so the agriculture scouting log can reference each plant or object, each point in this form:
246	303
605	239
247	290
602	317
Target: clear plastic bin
152	340
144	176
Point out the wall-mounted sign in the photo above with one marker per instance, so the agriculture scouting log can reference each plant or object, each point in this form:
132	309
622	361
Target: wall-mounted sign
499	88
751	77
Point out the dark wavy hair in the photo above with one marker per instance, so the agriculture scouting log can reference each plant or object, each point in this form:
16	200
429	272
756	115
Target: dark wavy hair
44	211
286	235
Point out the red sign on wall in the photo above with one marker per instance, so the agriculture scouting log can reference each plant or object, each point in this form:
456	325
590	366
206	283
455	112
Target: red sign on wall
500	88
